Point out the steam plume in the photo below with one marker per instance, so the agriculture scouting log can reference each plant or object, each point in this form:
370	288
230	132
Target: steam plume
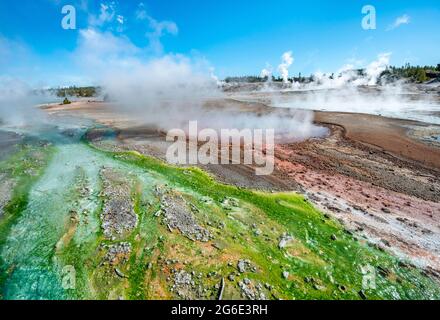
286	62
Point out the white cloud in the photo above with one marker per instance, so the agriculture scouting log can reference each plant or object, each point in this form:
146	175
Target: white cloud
405	19
141	13
109	19
96	50
121	21
157	28
102	43
107	14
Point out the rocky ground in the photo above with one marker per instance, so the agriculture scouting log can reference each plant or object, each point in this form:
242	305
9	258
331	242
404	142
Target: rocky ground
177	215
6	188
118	216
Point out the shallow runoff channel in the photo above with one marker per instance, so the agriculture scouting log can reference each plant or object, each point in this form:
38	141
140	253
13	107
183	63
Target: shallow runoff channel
31	245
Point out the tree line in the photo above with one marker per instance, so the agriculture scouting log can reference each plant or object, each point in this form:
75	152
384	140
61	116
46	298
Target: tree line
411	73
79	92
415	73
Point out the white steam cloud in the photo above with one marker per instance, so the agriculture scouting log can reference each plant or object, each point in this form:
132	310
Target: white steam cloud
166	92
162	91
375	69
358	90
18	103
286	62
266	72
348	75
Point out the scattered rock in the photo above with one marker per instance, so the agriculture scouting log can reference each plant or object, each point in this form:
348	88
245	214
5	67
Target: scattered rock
185	287
119	273
117	253
359	208
245	266
251	292
178	216
284	240
386	210
362	295
118	216
384	272
318	287
229	203
6	188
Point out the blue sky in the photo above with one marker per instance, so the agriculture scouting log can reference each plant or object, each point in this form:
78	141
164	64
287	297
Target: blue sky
235	37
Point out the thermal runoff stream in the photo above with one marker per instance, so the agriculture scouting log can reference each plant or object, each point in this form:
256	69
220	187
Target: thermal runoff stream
81	222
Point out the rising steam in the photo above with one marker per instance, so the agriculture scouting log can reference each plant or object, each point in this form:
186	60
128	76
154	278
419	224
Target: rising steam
169	91
18	103
357	90
286	62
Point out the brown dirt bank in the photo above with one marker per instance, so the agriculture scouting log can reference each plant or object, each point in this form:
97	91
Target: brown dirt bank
387	134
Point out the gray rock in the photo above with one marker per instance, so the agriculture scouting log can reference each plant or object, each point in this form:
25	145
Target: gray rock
251	292
178	216
119	273
284	240
245	266
118	216
386	210
117	253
